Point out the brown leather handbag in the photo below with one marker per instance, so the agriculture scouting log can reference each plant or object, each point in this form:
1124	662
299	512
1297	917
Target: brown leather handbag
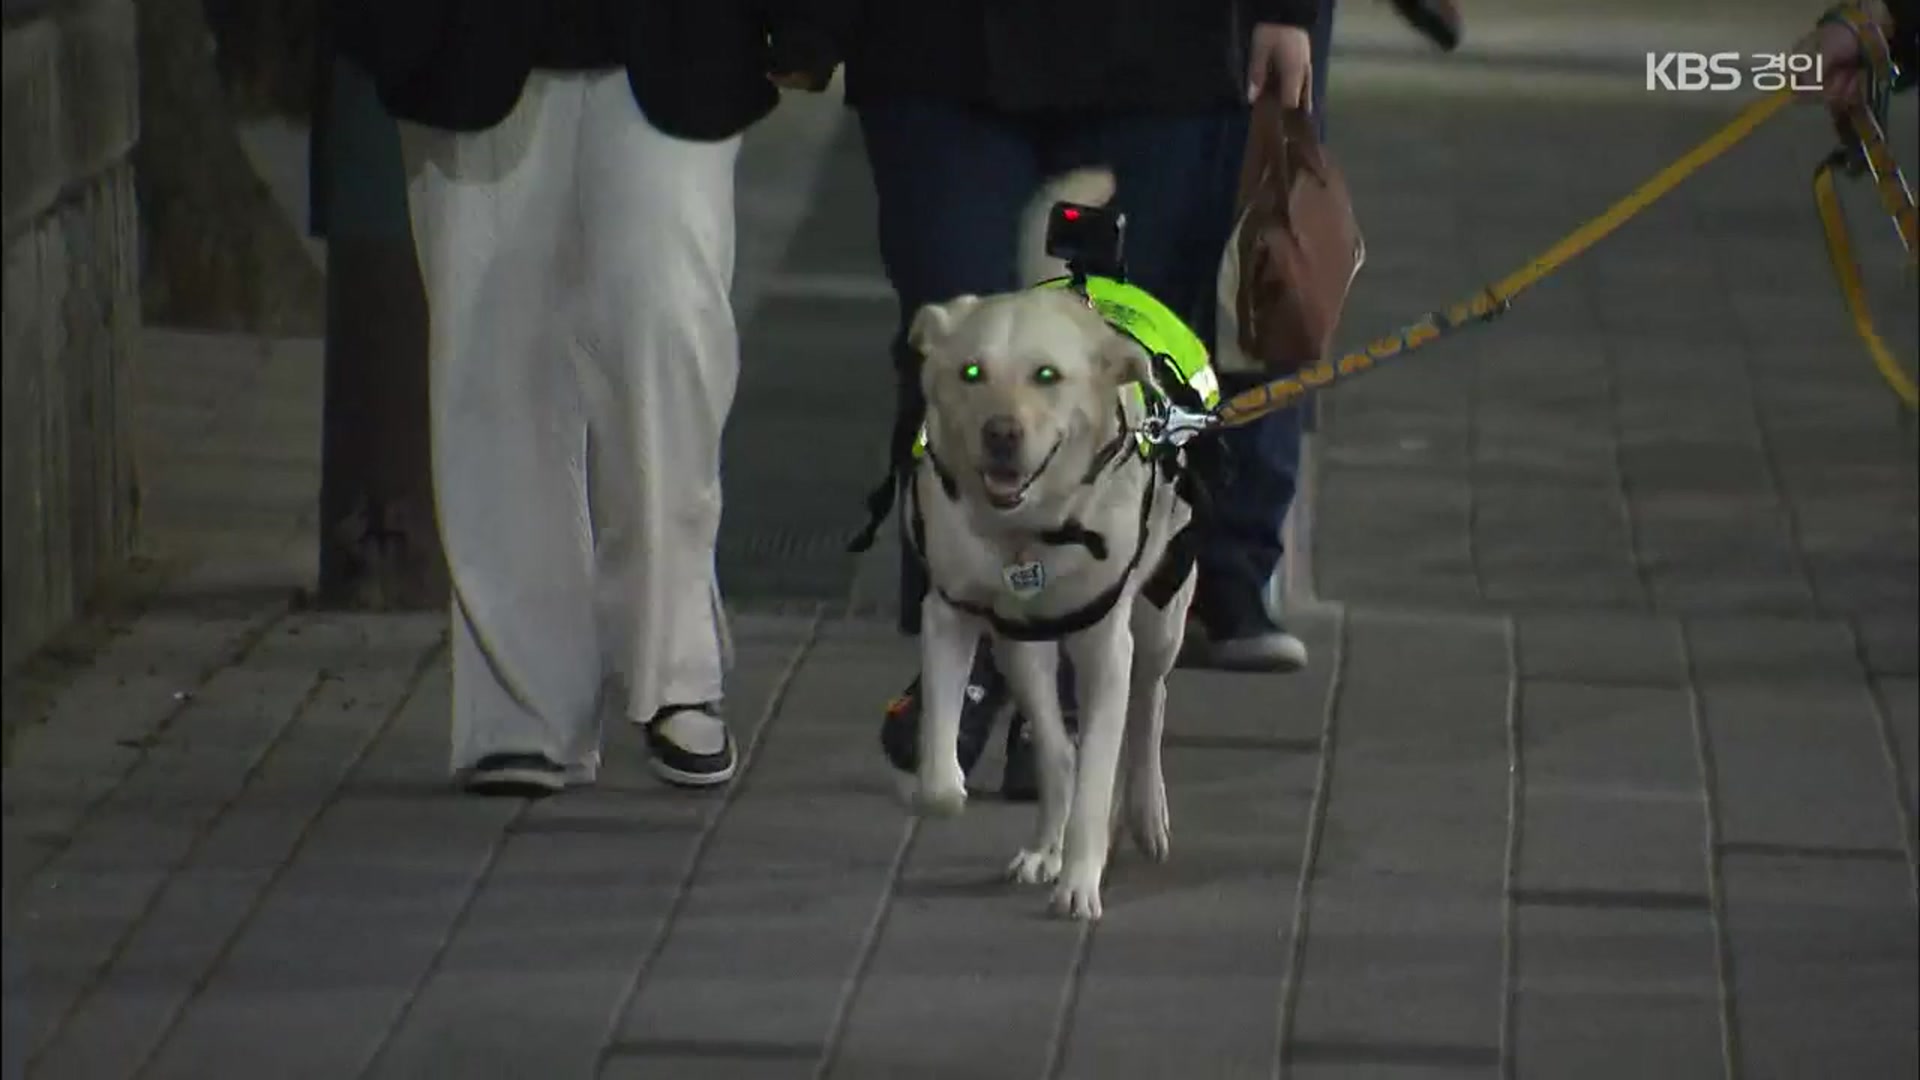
1294	252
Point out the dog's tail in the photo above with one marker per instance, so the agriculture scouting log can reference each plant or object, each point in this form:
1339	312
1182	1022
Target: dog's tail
1089	187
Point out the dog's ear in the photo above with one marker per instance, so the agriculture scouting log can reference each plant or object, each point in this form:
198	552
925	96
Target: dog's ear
932	323
1124	360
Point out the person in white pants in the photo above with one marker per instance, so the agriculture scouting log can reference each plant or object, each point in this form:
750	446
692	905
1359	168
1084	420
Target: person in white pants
577	256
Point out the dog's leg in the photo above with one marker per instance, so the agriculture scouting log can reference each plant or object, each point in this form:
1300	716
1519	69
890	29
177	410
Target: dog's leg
1033	671
947	642
1103	662
1156	637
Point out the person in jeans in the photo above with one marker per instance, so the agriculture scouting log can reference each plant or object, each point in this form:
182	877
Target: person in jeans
570	181
967	106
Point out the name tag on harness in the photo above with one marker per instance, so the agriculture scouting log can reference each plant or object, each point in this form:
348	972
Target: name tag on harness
1024	580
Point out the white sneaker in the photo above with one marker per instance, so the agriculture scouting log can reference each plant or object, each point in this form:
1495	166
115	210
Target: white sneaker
1267	649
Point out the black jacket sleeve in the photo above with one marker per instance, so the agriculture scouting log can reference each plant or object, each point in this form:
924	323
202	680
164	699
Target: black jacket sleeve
1300	13
808	36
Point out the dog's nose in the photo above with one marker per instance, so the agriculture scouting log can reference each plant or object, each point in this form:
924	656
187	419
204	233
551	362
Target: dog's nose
1000	437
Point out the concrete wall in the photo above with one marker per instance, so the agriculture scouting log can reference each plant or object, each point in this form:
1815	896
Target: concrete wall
72	306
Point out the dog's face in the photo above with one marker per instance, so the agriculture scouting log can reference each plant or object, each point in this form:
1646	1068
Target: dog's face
1020	390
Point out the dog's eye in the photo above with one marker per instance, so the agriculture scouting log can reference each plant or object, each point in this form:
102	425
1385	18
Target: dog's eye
972	373
1046	374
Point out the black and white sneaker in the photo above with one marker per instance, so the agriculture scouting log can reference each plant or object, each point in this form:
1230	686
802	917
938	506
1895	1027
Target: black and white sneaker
519	776
691	746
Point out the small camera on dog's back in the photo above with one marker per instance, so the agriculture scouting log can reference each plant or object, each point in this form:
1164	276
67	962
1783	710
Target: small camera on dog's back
1091	240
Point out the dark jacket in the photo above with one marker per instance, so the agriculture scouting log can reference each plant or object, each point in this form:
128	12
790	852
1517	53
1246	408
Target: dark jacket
697	67
1051	54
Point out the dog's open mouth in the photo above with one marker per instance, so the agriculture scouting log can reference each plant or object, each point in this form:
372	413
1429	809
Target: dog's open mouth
1006	487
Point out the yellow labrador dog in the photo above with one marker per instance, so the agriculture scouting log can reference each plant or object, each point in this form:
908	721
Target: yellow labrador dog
1035	511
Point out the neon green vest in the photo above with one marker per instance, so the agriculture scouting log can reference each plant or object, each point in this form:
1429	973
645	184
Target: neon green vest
1136	313
1178	352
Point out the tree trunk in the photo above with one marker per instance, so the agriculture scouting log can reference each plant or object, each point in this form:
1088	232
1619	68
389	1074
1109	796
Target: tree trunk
379	546
218	253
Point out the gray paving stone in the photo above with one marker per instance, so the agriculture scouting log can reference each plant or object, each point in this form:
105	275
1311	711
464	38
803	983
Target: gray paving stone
1412	504
538	967
1392	445
1517	455
1882	581
1714	562
1558	578
700	1064
1402	589
1889	644
338	947
1558	515
81	908
1392	1063
1615	648
1899	701
1858	529
1183	976
93	731
1748	584
1766	650
1607	992
769	940
1228	711
1800	764
1825	970
967	973
1612	798
1705	467
207	900
1417	809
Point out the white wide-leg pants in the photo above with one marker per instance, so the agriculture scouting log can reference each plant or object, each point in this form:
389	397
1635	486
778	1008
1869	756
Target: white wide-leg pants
583	358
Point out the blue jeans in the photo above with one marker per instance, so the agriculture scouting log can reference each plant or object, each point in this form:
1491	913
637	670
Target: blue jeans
1254	485
952	181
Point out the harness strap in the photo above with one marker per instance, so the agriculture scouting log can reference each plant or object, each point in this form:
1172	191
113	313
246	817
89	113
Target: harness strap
1183	553
879	505
1056	627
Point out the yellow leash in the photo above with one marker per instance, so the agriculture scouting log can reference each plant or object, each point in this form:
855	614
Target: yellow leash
1869	154
1490	302
1846	271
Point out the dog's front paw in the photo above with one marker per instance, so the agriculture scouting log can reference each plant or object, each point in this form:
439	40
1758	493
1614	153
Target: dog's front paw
942	791
1148	821
1077	896
1035	867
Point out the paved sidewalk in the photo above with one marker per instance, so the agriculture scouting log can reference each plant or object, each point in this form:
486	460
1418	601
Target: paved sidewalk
1605	767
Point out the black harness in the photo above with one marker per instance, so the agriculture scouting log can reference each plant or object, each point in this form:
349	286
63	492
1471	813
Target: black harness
1175	566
